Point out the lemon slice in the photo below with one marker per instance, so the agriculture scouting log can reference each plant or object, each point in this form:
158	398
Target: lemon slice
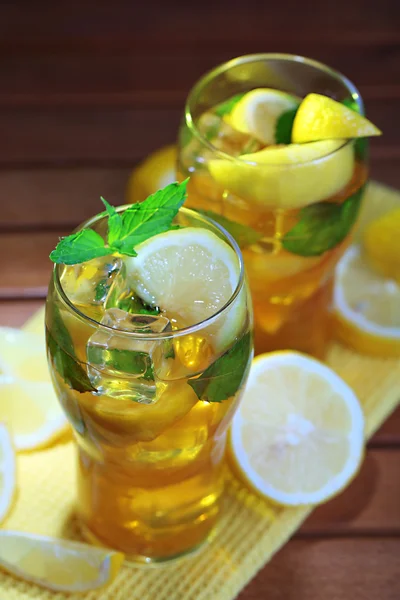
28	403
258	111
155	172
382	244
321	118
367	307
297	436
290	176
191	274
58	565
8	475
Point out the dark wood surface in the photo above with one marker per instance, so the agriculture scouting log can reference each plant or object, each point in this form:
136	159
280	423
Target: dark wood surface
87	90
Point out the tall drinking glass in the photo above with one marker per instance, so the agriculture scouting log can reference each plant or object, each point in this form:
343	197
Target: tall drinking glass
149	404
292	217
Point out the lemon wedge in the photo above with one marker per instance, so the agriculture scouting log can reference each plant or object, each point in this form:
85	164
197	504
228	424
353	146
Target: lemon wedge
367	307
56	564
382	244
8	475
290	176
258	111
191	274
155	172
297	436
28	403
321	118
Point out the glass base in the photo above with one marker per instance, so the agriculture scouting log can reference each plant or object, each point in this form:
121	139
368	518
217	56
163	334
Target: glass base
138	560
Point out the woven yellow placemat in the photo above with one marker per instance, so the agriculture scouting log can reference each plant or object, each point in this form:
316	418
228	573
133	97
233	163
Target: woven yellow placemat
251	530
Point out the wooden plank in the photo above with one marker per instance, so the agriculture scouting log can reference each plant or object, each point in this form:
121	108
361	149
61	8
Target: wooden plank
164	79
60	197
84	134
88	134
128	25
26	265
369	505
341	569
64	197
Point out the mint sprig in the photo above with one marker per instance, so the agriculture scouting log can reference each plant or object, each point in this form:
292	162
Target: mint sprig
126	230
322	226
224	377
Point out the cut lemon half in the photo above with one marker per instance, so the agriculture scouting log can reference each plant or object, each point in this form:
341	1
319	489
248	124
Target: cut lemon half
8	476
382	244
367	307
155	172
191	274
321	118
297	436
58	565
258	111
291	176
28	403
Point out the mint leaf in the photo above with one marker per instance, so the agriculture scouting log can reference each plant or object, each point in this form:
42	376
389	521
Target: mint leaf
125	230
360	144
226	375
62	353
284	125
79	247
243	234
224	108
322	226
169	351
151	217
351	103
114	222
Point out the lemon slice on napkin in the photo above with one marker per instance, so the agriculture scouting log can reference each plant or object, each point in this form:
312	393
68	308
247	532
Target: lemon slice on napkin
7	472
367	307
297	436
28	403
58	565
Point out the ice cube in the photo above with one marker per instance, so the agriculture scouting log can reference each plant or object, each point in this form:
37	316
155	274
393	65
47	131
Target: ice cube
120	366
87	285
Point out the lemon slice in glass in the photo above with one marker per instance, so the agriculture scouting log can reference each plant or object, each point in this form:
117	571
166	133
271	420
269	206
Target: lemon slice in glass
290	176
191	274
367	307
8	475
257	113
321	118
297	436
56	564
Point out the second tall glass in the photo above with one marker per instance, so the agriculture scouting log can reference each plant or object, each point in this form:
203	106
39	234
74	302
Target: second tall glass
278	212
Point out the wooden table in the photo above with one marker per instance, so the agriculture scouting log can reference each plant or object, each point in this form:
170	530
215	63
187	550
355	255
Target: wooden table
88	89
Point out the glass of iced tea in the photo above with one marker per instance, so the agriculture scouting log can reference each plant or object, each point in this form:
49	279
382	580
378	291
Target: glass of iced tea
149	355
291	206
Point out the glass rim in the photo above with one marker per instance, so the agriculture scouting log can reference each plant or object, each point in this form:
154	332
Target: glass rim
247	58
68	304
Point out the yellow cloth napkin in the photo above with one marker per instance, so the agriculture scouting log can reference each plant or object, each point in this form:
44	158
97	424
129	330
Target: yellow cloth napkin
251	530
